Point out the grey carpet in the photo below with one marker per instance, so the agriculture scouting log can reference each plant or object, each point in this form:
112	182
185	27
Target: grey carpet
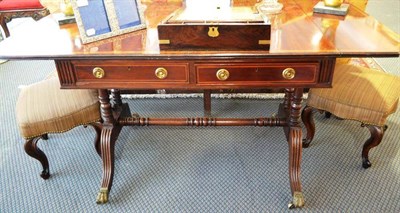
185	169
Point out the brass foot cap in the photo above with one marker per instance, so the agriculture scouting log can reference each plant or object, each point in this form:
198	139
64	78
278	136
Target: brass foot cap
298	200
102	197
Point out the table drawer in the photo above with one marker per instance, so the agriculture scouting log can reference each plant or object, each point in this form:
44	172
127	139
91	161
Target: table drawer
257	73
138	72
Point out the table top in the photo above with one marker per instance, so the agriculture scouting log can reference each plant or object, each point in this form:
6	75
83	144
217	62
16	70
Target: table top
296	31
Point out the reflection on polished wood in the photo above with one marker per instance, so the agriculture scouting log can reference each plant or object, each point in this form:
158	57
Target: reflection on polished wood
304	48
295	31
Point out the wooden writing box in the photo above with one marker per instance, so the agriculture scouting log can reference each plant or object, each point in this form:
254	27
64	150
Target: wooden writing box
234	28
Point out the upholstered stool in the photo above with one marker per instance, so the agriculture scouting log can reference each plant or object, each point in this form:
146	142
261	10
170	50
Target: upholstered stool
44	108
10	9
358	93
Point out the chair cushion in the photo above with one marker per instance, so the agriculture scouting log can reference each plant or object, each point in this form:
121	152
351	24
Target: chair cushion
45	108
20	5
358	93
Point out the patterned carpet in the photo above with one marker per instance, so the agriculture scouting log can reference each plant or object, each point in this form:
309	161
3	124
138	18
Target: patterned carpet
188	169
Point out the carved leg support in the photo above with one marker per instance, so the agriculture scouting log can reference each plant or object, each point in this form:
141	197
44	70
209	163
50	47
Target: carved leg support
375	139
307	118
32	150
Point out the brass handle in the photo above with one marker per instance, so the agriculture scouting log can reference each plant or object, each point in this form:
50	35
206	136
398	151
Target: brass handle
98	72
222	74
289	73
161	73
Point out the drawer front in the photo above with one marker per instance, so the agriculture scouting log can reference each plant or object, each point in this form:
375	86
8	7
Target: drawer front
135	72
257	73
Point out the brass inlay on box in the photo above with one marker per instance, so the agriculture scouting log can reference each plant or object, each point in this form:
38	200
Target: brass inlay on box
161	73
98	72
288	73
164	41
264	42
222	74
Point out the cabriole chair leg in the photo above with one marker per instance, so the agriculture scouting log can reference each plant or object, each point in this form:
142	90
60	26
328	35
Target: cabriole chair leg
33	150
375	139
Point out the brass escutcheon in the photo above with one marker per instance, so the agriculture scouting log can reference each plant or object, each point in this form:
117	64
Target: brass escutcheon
98	72
213	32
161	73
222	74
288	73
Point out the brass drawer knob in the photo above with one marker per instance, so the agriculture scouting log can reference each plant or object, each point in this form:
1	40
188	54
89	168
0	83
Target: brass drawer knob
161	73
288	73
98	72
222	74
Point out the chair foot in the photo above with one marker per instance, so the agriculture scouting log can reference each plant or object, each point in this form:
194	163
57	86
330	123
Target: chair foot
375	139
366	163
328	114
307	119
32	150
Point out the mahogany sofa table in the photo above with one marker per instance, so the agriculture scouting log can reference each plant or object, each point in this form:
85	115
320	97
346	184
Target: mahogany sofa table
304	48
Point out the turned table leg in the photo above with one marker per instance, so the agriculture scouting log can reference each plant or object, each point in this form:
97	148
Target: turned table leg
116	100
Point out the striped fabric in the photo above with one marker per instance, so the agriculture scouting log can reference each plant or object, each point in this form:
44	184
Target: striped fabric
358	93
44	108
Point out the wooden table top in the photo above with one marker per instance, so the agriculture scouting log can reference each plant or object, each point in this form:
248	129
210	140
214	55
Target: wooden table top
296	31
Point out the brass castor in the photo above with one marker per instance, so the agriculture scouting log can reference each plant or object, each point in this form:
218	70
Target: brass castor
298	201
102	197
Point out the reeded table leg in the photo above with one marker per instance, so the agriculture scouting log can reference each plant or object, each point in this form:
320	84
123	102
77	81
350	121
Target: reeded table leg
295	152
109	135
294	137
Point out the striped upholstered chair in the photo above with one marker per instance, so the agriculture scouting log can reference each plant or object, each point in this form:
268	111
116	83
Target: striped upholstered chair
358	93
10	9
44	108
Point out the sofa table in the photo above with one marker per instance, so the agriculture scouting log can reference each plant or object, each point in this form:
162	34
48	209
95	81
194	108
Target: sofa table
303	52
